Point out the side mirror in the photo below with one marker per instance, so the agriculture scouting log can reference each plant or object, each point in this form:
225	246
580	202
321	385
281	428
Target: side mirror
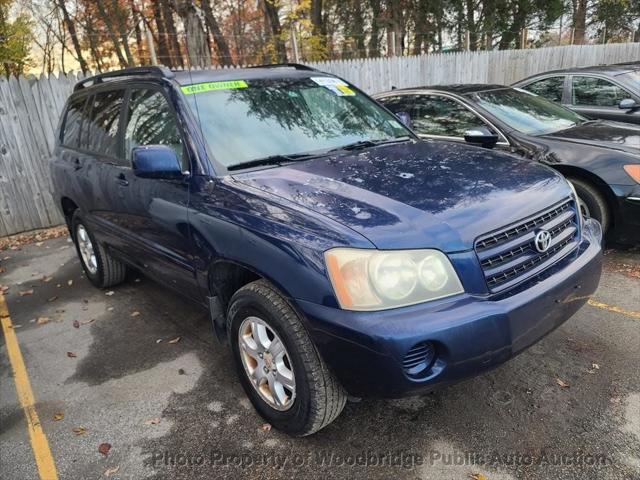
155	161
404	118
628	104
481	136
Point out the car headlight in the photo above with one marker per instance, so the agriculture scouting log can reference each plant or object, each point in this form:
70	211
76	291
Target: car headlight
577	200
366	279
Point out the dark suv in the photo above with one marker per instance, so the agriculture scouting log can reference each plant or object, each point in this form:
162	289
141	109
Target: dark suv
609	92
336	252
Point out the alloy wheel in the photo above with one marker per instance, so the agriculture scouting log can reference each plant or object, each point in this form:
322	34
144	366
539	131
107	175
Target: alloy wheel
267	363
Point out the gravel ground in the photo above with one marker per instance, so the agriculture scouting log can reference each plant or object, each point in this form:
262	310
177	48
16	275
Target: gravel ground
176	410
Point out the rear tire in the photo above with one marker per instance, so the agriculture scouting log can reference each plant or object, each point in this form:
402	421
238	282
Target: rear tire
100	267
592	202
316	398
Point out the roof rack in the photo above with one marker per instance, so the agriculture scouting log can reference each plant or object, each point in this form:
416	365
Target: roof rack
155	71
297	66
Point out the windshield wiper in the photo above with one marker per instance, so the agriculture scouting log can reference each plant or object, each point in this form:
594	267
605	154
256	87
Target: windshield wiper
271	160
359	145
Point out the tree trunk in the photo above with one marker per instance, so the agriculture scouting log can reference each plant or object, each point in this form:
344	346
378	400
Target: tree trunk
164	55
374	39
112	35
71	27
358	30
177	60
93	47
197	42
222	47
471	26
579	20
397	27
121	21
138	33
271	12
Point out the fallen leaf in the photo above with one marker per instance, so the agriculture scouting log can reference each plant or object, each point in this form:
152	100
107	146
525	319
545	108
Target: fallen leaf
87	322
42	320
110	471
595	366
561	383
58	416
478	476
24	293
71	355
104	448
76	324
47	279
152	421
109	309
175	340
79	430
109	293
70	282
266	427
39	244
135	314
52	299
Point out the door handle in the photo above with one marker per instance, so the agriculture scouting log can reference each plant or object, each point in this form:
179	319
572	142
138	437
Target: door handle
122	180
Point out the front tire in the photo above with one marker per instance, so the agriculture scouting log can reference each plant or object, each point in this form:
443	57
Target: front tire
100	267
592	203
278	365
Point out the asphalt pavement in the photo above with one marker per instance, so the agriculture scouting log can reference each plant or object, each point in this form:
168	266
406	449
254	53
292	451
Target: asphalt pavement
137	367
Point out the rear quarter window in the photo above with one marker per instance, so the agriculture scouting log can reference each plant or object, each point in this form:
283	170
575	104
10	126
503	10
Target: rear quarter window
70	135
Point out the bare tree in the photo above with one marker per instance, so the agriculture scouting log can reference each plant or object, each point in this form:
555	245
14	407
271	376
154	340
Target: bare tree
222	47
71	28
196	39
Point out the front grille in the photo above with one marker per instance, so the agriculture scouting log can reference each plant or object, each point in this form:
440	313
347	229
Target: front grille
509	256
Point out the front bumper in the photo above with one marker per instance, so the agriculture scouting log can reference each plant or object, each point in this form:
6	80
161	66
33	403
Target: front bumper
471	333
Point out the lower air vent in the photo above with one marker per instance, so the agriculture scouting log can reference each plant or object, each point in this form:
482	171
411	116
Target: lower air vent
419	358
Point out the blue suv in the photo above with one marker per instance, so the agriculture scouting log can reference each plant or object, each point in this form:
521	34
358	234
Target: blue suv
337	253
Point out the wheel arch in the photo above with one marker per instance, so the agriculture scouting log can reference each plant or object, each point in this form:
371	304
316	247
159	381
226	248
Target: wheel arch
598	183
68	207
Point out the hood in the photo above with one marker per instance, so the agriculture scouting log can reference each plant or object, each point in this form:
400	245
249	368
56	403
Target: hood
601	133
416	194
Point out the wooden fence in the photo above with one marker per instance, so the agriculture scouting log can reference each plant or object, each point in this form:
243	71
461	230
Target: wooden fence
30	108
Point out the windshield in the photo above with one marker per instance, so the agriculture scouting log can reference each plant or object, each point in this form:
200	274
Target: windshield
246	120
633	78
526	112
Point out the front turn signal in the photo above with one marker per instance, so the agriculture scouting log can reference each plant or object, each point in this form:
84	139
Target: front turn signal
633	171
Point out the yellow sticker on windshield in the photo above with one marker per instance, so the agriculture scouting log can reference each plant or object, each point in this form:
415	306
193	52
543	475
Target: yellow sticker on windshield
345	90
209	86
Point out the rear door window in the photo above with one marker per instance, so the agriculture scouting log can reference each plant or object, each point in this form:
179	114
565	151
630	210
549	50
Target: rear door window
103	124
549	88
151	121
73	123
441	116
596	92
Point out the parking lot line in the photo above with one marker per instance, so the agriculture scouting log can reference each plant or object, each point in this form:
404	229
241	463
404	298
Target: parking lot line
39	443
613	308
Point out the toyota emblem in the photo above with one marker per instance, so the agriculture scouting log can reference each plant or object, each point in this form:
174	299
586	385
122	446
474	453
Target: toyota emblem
542	241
